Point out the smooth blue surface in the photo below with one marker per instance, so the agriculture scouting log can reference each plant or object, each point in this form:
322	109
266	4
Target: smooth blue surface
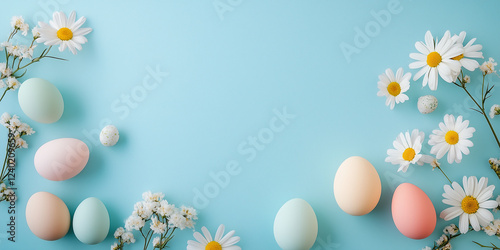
226	78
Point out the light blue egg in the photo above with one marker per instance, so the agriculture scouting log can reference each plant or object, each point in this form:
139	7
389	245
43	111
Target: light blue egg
40	100
91	221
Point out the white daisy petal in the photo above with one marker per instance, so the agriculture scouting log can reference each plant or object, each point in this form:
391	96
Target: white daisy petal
464	223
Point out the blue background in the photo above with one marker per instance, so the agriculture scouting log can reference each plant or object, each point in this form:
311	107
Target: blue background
227	73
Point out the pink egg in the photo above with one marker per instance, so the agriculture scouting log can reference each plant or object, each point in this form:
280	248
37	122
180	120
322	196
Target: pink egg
413	212
61	159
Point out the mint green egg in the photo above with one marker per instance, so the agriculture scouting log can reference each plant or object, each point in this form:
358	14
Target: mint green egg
40	100
91	221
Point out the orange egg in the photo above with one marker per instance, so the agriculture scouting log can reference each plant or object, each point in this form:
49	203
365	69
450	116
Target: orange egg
47	216
413	212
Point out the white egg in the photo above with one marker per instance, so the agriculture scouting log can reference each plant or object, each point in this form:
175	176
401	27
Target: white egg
427	104
109	136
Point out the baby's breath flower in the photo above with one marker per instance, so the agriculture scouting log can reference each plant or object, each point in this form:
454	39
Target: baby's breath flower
466	79
119	232
17	22
488	67
494	110
128	237
134	222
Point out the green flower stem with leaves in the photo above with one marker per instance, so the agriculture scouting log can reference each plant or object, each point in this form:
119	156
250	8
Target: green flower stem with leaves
480	107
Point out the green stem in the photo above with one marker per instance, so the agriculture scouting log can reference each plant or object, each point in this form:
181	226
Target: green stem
485	116
5	159
444	174
1	98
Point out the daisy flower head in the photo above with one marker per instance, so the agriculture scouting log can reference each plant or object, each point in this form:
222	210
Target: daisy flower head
471	203
470	50
435	58
64	31
394	86
494	110
219	242
452	137
406	150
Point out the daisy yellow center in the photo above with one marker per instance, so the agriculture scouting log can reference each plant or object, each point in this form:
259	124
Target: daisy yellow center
409	154
394	88
451	137
458	58
433	59
64	34
470	205
213	245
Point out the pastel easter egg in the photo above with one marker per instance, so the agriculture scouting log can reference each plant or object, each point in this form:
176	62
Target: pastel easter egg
357	187
47	216
61	159
109	136
413	212
295	225
91	221
427	104
40	100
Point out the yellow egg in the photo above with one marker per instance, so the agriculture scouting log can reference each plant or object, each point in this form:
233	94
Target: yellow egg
357	186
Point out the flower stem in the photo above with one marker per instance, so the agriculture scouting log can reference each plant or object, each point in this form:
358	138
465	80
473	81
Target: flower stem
481	109
493	246
440	169
1	98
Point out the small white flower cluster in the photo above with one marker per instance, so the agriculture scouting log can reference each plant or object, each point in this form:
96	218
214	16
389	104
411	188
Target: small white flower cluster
493	228
124	237
17	128
17	22
488	67
494	110
162	216
6	194
18	51
443	243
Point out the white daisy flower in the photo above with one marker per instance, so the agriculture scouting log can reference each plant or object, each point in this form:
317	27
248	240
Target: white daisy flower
494	110
468	51
435	58
407	150
64	32
488	67
220	241
394	86
470	203
452	138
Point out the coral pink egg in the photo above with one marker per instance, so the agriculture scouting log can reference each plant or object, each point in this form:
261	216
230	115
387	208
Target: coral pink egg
413	212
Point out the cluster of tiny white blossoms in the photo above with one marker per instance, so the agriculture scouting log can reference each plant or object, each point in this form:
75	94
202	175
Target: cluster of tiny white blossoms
17	128
493	228
164	218
488	67
494	110
6	194
443	243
